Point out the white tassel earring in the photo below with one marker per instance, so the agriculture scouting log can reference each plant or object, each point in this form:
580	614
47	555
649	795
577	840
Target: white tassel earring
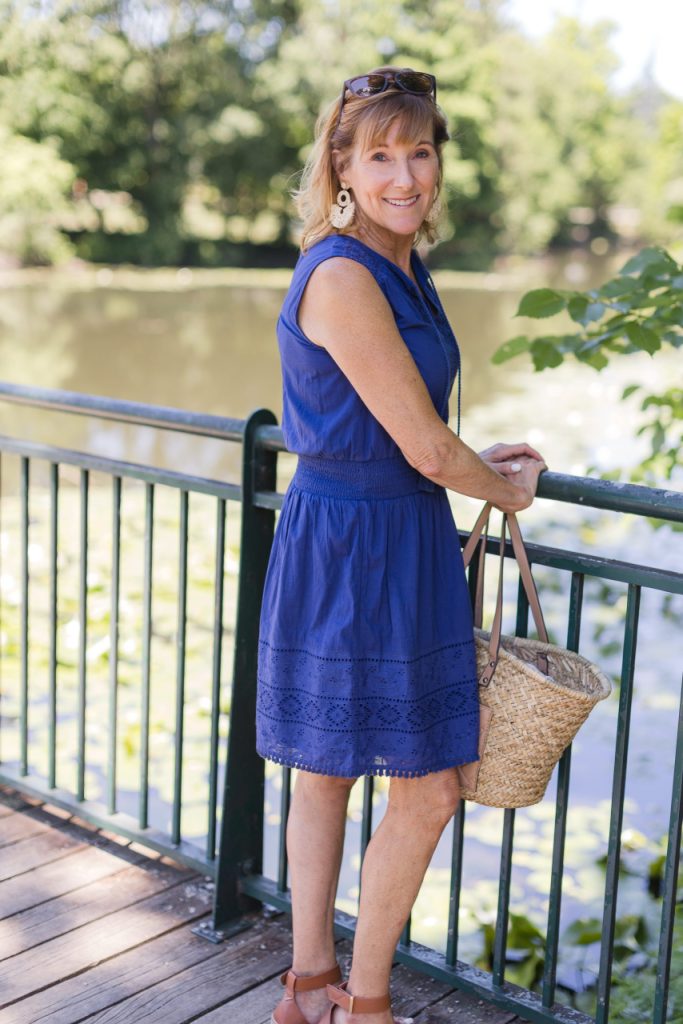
342	212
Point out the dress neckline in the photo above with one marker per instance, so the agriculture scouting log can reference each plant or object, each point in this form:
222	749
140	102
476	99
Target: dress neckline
424	285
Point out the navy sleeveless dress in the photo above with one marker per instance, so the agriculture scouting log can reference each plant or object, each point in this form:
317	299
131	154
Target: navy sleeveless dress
366	662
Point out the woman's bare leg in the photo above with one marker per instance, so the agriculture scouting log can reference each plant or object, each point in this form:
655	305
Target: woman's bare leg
315	843
394	866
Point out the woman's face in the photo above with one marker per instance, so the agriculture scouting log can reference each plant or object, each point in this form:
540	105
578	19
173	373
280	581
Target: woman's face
394	183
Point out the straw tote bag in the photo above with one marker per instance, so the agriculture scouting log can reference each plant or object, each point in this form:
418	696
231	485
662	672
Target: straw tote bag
533	695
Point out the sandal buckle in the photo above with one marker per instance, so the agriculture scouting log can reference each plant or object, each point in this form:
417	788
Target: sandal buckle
350	1009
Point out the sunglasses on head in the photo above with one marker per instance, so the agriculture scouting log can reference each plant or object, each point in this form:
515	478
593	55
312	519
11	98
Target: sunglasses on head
418	82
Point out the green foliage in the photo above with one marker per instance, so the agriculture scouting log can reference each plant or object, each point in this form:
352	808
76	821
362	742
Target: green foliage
196	117
661	201
565	140
525	952
34	186
639	310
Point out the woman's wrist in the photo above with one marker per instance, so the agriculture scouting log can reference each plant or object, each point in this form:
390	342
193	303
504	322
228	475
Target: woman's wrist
462	470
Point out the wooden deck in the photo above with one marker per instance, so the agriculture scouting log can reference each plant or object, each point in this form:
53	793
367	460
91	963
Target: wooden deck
96	928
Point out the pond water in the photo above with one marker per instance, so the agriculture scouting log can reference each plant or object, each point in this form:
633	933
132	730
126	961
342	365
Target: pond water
204	341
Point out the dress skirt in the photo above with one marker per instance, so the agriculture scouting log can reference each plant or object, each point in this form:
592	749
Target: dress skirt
366	661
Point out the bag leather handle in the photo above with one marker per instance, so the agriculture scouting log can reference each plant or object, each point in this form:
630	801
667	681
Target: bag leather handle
479	536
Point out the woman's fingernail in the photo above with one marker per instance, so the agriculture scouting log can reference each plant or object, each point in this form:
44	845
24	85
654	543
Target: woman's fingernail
515	467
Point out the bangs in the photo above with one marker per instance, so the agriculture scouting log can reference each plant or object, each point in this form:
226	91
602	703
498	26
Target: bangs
416	116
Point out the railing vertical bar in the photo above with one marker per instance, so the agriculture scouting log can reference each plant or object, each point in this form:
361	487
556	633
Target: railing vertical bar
114	642
82	632
670	887
143	812
455	884
522	623
617	815
405	934
241	834
52	657
285	802
23	708
366	823
507	842
180	668
500	940
218	588
561	807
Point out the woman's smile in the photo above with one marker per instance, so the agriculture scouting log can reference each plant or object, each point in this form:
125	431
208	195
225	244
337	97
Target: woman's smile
402	202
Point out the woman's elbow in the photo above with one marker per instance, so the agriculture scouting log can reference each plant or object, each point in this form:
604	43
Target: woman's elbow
430	460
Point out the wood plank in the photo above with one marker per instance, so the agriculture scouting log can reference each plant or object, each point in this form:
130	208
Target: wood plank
17	826
110	982
132	972
35	850
84	947
57	878
263	953
85	904
412	995
16	801
254	1006
465	1009
66	835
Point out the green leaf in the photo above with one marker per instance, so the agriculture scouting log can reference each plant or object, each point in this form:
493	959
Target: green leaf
643	337
630	390
584	312
545	354
511	348
541	302
576	307
583	932
651	259
617	287
598	360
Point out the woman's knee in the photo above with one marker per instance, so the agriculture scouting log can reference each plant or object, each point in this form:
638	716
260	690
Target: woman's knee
431	798
330	785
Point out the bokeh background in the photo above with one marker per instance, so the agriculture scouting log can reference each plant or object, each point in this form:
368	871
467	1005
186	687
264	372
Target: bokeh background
167	132
146	243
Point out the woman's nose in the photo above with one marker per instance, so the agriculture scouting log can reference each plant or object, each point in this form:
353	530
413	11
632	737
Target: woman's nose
402	174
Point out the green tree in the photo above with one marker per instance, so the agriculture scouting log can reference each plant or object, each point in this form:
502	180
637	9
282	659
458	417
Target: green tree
639	310
34	190
563	139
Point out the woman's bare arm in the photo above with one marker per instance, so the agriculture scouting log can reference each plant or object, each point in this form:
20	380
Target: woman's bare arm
344	310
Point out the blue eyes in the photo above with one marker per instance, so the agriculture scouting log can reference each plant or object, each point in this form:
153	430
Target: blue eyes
420	152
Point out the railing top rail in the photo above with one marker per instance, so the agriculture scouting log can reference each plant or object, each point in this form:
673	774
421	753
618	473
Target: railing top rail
591	492
226	428
581	490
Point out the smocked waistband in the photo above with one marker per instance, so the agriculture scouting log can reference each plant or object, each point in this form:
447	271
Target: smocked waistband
351	478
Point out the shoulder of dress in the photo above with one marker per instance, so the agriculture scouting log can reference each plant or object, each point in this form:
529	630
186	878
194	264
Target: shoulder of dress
346	246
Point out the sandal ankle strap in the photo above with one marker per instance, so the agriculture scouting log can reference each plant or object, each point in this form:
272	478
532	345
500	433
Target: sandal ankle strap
357	1004
305	983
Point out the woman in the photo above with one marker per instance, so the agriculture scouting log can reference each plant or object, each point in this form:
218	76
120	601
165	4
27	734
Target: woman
366	662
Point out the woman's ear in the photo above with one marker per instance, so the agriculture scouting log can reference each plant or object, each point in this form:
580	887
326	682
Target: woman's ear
337	163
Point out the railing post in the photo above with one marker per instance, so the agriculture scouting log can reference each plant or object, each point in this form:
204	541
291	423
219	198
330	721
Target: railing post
240	849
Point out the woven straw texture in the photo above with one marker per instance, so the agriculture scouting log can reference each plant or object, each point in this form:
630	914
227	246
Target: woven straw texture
534	716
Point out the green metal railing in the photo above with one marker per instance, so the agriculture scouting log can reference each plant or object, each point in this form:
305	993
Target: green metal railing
233	854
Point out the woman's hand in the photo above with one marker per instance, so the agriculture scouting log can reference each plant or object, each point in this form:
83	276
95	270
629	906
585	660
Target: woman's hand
502	457
521	465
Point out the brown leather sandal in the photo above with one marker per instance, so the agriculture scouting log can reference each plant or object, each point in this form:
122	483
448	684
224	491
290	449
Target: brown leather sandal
287	1012
358	1004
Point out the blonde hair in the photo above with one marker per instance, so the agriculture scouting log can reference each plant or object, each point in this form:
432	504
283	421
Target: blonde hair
365	122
